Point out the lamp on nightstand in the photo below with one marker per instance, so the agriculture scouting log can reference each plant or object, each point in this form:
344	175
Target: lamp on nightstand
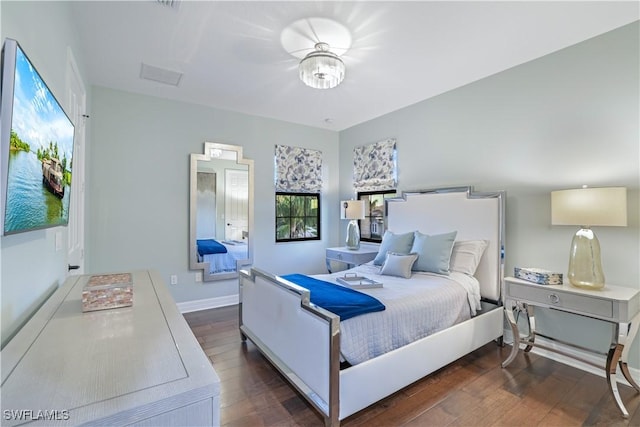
588	207
352	210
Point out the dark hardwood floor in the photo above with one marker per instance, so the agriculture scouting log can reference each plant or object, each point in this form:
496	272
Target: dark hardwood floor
473	391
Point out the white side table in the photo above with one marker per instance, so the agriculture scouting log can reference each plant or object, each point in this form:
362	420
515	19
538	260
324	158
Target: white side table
351	257
614	304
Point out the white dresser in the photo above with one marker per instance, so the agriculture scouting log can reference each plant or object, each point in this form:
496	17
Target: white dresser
137	365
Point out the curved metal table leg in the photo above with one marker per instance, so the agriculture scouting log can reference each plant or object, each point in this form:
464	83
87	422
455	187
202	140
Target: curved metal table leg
508	311
624	332
531	321
612	360
633	330
625	371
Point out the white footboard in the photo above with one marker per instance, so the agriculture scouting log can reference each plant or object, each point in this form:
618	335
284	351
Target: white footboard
303	342
299	338
363	384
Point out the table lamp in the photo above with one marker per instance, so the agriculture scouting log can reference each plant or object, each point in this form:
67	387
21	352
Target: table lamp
588	207
352	210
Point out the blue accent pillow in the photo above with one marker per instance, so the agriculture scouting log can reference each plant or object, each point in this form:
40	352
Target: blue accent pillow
398	265
434	252
397	243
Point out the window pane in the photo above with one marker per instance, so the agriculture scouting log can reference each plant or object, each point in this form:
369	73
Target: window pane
283	205
297	205
365	228
311	206
283	228
297	228
376	205
311	227
376	227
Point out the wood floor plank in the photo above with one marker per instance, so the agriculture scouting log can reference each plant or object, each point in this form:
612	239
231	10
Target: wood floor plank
473	391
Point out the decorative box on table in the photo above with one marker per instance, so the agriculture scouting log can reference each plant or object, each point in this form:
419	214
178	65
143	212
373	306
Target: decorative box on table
107	291
538	275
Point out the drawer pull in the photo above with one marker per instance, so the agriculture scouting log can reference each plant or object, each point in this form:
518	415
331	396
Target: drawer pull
339	256
555	299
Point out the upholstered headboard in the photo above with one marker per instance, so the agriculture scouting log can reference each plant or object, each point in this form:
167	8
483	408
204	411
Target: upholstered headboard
475	216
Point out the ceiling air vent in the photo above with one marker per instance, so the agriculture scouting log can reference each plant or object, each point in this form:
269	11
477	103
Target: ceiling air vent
162	75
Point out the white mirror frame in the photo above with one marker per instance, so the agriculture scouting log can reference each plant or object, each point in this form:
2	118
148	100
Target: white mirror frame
194	263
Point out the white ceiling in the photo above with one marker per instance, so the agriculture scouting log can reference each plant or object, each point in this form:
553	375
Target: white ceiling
402	52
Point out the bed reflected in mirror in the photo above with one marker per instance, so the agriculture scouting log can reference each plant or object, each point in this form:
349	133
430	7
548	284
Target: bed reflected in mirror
221	196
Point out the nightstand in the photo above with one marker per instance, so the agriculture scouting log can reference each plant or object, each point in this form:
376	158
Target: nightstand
351	257
613	304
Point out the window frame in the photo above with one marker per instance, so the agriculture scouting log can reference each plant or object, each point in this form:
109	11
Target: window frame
315	196
386	194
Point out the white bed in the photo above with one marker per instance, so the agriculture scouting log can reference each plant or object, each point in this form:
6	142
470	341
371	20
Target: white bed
450	299
304	341
226	262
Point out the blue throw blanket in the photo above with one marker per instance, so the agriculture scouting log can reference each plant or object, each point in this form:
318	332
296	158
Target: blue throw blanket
210	246
344	302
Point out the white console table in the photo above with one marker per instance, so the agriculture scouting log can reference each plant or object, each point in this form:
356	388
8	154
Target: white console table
614	304
138	365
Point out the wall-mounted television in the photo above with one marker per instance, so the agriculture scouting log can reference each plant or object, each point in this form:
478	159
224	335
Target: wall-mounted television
36	140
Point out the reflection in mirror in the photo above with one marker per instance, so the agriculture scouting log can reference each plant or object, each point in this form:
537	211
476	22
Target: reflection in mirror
221	199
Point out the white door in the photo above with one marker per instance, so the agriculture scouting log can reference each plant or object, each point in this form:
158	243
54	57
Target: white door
236	203
76	109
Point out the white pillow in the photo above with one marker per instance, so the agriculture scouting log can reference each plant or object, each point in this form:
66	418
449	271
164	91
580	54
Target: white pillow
398	265
466	255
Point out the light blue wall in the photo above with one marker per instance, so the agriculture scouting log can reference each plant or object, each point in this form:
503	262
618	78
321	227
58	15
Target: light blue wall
138	189
31	268
567	119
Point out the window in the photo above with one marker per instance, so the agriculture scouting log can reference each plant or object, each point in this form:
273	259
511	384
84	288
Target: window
298	182
297	216
373	226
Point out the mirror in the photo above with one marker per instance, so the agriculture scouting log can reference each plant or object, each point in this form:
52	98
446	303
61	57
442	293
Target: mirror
220	211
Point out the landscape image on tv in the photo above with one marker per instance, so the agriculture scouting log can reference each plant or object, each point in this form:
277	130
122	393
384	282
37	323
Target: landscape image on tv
40	155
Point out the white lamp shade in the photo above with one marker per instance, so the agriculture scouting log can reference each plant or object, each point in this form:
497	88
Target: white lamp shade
590	207
352	209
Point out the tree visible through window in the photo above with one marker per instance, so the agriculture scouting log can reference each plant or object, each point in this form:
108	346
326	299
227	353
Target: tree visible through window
372	227
297	216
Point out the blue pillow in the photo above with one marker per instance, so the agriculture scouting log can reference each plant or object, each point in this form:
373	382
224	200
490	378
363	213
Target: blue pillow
398	243
434	252
398	265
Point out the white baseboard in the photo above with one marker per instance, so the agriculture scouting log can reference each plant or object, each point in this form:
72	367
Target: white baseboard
205	304
601	360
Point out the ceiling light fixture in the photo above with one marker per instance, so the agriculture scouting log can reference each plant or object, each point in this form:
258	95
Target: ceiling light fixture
321	69
318	43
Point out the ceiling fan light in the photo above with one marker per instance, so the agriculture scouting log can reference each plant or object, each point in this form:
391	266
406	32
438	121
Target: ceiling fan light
321	69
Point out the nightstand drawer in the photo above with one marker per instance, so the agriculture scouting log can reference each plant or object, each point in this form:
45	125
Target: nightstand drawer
353	257
554	297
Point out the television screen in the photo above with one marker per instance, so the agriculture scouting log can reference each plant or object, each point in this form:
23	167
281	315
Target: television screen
37	147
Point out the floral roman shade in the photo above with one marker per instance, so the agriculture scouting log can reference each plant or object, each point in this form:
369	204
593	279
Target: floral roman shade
298	170
375	166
